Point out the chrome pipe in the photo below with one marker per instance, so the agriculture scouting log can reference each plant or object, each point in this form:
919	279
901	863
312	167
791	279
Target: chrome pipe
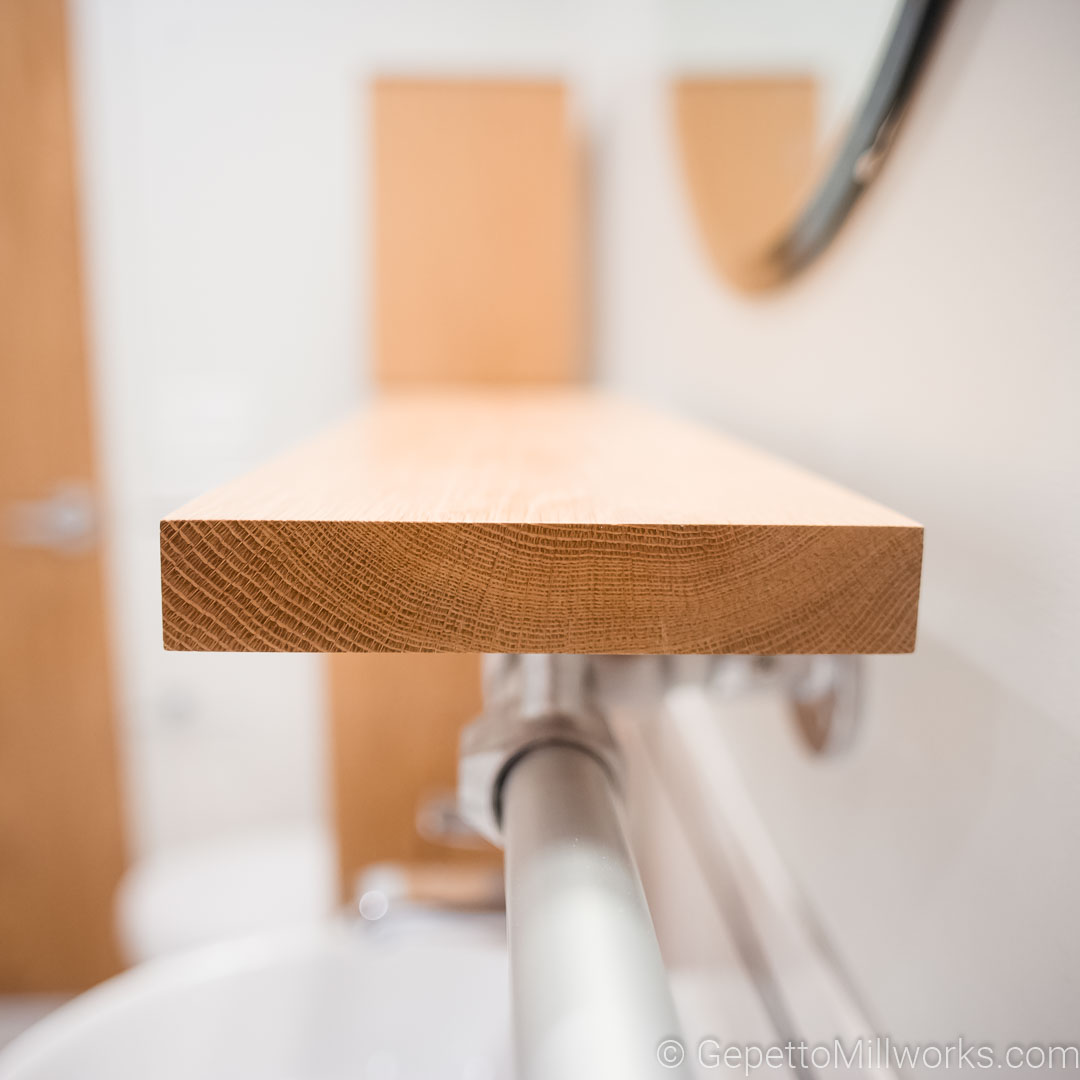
591	999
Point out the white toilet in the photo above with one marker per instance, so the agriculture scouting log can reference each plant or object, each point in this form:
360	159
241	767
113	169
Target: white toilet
217	891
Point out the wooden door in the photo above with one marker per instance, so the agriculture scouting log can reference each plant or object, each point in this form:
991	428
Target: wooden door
61	853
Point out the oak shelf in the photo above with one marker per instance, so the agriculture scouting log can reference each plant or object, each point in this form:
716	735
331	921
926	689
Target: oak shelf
535	521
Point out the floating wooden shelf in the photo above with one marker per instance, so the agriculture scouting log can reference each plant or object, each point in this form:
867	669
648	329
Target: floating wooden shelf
535	521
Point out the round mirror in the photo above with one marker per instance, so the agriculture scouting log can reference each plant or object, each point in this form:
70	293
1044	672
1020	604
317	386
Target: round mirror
783	112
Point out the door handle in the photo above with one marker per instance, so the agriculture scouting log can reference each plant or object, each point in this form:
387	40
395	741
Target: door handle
65	522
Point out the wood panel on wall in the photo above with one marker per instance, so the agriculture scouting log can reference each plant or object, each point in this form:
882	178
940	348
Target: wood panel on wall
477	233
478	265
61	847
750	155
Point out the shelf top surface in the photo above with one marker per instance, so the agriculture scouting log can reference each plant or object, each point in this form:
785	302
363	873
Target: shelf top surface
536	456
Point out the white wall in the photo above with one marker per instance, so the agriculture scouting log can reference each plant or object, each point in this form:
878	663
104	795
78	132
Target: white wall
930	360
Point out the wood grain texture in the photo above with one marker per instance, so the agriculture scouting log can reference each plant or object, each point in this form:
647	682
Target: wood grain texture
477	232
540	521
61	831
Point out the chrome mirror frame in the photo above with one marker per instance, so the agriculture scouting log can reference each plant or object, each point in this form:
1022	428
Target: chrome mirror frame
861	155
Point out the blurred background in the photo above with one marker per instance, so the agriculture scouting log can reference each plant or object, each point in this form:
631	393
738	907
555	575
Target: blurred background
188	287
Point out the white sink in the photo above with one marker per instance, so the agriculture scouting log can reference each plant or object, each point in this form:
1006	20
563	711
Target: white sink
411	997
